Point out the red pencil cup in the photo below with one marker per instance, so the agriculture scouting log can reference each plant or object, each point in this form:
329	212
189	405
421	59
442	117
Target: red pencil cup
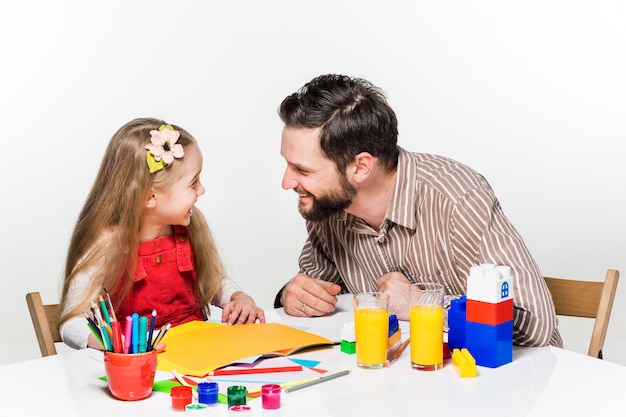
130	376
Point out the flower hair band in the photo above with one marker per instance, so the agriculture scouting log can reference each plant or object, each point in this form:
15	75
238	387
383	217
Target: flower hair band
163	148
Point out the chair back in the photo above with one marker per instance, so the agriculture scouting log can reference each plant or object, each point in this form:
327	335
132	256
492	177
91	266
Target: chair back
45	319
591	299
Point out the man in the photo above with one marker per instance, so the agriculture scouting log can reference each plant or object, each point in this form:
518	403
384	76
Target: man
380	218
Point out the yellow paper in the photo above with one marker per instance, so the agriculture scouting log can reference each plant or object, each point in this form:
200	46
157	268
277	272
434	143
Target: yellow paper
197	348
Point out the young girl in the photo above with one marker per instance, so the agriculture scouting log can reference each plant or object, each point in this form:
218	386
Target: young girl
140	238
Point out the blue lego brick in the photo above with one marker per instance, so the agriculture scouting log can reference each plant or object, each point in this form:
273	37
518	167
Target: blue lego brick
457	314
491	346
456	340
394	326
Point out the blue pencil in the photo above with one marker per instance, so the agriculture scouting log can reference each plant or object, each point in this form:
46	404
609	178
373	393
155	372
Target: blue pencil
151	333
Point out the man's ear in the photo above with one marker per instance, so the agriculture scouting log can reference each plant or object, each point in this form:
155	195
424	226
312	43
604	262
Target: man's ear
151	202
362	167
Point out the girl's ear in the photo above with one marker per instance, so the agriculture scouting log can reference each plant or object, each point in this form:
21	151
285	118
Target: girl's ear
152	199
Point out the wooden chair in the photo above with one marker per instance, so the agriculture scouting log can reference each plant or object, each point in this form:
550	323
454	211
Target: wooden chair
592	299
45	321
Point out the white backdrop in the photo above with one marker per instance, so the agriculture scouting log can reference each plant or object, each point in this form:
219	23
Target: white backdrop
531	94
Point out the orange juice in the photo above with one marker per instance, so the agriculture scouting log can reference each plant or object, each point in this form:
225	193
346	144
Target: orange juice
371	326
426	323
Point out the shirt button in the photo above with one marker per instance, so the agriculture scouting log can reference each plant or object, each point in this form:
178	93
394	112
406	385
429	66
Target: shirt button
159	259
182	238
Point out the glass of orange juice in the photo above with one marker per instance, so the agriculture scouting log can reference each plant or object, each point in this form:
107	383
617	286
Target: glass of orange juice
426	326
371	326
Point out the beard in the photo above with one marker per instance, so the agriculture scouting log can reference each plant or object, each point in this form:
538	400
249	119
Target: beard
334	202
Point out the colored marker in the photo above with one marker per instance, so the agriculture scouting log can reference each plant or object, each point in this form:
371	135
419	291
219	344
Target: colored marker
117	337
134	344
143	333
128	334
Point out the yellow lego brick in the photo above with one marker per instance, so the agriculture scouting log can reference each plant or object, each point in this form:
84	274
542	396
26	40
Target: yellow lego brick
464	363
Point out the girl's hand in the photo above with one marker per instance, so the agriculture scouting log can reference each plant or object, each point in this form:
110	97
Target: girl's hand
241	309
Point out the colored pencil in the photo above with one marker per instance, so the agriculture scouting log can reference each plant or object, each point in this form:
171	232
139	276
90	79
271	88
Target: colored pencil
397	353
151	333
286	384
318	381
105	311
224	372
101	327
111	310
95	330
159	337
182	381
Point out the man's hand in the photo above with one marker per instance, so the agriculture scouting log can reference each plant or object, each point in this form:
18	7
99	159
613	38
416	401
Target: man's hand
304	296
397	286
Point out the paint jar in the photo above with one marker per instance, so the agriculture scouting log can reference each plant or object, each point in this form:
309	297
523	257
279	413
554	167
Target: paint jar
270	396
207	393
239	411
236	395
196	409
181	396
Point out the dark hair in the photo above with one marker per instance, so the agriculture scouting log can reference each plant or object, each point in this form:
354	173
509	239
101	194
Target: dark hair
354	117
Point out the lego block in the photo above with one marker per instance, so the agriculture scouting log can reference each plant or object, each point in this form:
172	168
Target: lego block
489	313
394	332
457	322
464	363
394	326
348	332
456	340
348	338
490	283
491	346
457	314
348	347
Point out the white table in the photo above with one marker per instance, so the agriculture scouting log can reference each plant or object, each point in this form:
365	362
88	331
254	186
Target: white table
539	382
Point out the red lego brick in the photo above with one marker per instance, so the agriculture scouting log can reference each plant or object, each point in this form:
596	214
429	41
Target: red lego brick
488	313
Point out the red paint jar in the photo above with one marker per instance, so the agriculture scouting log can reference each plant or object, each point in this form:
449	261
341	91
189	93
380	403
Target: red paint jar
271	396
181	396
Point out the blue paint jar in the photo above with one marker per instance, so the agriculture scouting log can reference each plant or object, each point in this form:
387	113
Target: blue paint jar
207	393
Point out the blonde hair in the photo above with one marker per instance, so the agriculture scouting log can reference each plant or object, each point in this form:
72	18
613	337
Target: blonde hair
106	237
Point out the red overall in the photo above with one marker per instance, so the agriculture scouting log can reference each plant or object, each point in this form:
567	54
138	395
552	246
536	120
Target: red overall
164	280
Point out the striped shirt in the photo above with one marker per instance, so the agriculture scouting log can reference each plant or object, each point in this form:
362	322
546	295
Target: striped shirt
443	218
